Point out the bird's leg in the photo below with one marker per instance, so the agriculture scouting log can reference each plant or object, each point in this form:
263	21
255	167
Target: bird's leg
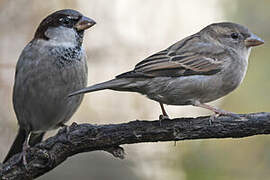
216	111
163	110
25	148
164	114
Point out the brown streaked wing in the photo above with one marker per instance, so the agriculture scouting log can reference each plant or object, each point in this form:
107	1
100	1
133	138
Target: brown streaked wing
177	61
179	65
158	57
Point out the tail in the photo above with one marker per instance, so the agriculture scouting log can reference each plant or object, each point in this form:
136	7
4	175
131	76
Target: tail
17	145
114	84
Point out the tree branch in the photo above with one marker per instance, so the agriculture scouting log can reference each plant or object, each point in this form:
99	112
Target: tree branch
85	138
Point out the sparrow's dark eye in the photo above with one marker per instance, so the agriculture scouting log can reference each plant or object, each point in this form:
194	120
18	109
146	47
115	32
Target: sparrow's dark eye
235	35
66	20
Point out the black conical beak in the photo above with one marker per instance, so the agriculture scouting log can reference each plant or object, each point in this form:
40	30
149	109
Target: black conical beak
84	23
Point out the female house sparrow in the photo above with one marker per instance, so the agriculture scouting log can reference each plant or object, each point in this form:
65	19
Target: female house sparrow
198	69
50	67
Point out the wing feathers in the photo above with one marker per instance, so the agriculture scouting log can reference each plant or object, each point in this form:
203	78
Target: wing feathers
178	60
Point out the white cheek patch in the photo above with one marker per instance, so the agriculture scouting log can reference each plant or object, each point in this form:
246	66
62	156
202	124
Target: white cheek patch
61	36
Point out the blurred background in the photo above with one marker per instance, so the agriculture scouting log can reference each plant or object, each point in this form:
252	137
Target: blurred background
127	32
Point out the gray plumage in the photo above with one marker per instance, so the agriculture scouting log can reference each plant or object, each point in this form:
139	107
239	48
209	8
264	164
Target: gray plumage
42	85
50	67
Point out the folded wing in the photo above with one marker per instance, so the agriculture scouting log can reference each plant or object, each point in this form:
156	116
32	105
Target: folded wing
178	60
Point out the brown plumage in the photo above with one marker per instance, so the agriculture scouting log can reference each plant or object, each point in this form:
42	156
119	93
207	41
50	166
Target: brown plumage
198	69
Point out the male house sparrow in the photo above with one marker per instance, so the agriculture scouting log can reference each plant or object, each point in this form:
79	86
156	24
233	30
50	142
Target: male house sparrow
198	69
50	67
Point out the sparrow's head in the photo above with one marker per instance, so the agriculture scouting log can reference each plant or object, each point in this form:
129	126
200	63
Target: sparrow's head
64	27
231	35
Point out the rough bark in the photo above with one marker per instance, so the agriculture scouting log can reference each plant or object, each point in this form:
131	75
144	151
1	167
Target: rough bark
86	137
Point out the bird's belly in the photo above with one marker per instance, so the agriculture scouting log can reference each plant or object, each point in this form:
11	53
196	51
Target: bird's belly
185	90
43	103
55	114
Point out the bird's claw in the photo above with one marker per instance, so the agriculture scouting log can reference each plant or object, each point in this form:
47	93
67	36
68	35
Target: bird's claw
236	116
163	117
64	128
212	118
24	153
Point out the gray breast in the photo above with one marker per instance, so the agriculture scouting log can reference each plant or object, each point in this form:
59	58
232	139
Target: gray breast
42	85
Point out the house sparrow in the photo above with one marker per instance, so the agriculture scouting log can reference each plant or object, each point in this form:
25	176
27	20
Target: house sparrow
198	69
50	67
